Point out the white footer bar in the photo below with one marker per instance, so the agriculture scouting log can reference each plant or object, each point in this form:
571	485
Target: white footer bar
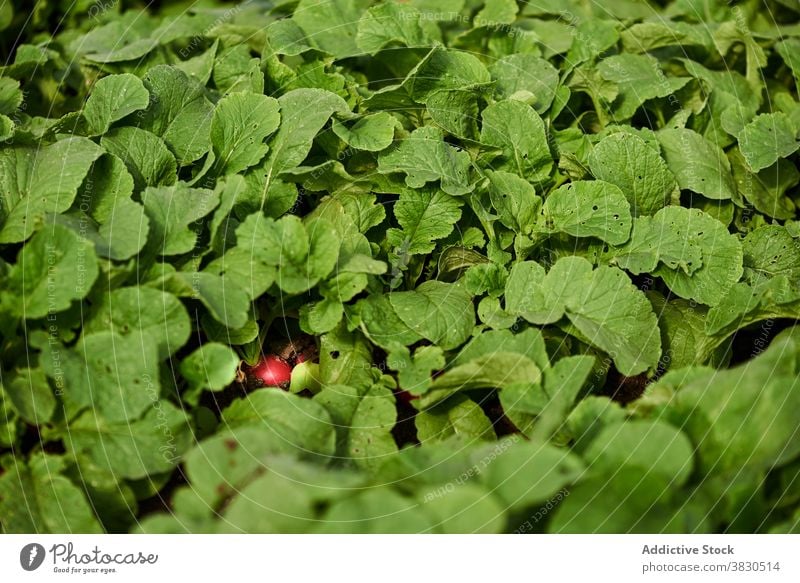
401	559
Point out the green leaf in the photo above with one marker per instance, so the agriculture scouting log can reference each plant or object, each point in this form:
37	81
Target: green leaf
465	509
287	38
425	216
602	304
299	423
151	445
372	133
592	38
115	42
10	95
283	498
37	181
743	416
227	302
683	331
392	23
767	189
519	132
220	467
665	238
589	208
721	252
462	417
331	25
639	78
494	13
446	69
767	139
241	123
633	502
322	317
414	373
174	212
345	358
440	312
213	366
375	511
35	496
31	396
382	324
637	169
529	343
698	165
159	316
363	420
54	269
116	376
6	128
515	201
524	474
525	77
146	156
455	111
303	113
540	411
651	446
525	294
495	370
771	251
303	254
105	196
179	113
424	157
235	70
113	98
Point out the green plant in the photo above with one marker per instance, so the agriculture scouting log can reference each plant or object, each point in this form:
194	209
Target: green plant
547	254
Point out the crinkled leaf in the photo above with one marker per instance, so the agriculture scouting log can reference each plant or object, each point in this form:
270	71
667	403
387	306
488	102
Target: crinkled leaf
637	169
767	139
146	155
519	132
698	165
116	376
113	98
721	253
589	208
424	217
372	133
424	157
151	445
525	77
241	123
133	310
54	269
179	113
442	313
37	181
173	212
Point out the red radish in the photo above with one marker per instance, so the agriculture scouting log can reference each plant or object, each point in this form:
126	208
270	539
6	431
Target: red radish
271	371
405	396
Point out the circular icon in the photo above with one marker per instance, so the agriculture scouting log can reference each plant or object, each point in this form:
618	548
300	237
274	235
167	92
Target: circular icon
31	556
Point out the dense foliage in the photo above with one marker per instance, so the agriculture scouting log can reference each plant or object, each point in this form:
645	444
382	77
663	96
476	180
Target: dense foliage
545	254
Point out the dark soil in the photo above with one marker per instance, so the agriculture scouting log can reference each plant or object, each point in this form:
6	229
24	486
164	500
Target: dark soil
161	501
491	406
624	389
405	430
